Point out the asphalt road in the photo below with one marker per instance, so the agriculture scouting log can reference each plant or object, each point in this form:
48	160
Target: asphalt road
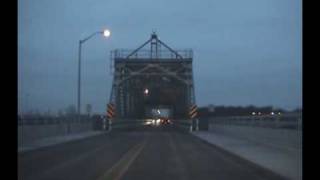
143	153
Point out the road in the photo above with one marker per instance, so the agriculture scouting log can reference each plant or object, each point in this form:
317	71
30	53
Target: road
143	153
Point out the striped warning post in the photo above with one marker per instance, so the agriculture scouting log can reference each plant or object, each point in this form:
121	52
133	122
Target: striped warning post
193	111
111	111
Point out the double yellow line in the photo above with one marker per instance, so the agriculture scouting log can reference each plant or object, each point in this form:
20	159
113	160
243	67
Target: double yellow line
121	167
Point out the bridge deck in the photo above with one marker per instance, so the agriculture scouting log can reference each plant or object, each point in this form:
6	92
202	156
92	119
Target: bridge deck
145	153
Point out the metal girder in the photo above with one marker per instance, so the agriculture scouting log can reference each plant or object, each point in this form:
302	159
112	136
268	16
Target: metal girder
164	70
173	51
154	41
153	74
149	68
139	48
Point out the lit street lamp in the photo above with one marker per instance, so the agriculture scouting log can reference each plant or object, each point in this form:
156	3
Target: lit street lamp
105	33
146	91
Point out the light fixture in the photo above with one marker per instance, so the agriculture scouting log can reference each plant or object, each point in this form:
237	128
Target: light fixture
106	33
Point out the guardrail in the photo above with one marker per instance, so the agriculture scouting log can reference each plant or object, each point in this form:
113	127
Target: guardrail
51	120
120	124
188	124
286	121
32	130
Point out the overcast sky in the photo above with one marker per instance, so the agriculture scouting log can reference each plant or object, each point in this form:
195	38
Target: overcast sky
245	52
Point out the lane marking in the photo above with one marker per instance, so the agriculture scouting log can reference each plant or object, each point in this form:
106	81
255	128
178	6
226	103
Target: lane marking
121	167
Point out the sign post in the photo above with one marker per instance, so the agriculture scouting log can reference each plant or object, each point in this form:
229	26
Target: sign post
110	114
192	114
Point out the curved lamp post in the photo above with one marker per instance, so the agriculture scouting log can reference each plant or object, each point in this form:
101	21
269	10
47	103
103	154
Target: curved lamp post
106	33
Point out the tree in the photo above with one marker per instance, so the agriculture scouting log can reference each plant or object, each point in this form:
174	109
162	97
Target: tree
71	110
48	113
89	109
60	113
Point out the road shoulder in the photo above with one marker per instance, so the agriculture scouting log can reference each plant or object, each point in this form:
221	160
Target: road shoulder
279	161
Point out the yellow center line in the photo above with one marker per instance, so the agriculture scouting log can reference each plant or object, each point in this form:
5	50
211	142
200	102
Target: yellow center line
119	169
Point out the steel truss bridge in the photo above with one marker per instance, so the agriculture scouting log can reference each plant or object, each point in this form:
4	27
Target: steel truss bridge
152	76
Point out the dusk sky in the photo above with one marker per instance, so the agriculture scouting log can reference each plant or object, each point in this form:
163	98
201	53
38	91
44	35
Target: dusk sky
245	52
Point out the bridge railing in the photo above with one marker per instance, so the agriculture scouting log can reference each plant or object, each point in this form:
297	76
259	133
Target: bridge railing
51	120
184	124
127	123
285	121
33	129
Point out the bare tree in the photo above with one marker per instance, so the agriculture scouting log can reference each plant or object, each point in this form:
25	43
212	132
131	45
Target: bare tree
71	110
60	113
89	109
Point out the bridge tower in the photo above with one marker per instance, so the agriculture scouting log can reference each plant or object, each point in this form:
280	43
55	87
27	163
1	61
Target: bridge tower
153	75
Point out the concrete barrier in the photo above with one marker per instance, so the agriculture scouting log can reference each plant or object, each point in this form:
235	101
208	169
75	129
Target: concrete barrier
284	130
285	121
282	138
30	133
274	143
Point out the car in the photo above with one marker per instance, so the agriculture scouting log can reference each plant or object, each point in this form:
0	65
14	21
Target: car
165	121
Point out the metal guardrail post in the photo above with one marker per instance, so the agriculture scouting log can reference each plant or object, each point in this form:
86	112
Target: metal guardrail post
197	124
104	126
110	125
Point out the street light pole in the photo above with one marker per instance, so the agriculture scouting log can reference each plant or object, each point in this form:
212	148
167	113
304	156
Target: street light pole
105	33
79	80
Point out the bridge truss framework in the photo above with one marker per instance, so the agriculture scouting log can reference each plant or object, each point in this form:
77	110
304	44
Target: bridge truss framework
165	73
